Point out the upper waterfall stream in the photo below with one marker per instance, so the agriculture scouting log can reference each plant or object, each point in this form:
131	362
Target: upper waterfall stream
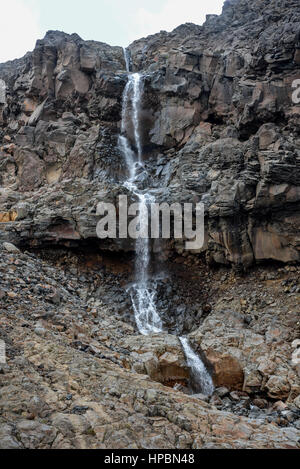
143	291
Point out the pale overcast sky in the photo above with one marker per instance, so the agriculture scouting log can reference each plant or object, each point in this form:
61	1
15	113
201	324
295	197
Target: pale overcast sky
117	22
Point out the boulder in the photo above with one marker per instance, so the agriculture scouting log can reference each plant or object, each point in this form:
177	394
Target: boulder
159	356
10	248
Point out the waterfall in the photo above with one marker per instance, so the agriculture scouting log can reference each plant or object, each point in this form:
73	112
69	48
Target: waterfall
142	294
143	291
132	95
136	99
127	59
129	158
199	373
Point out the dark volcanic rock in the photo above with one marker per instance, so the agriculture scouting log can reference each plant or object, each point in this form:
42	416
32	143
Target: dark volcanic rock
219	126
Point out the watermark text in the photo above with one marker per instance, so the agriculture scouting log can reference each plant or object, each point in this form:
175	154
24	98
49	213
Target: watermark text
144	220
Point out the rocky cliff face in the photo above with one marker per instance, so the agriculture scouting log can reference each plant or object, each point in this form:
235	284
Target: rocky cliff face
219	126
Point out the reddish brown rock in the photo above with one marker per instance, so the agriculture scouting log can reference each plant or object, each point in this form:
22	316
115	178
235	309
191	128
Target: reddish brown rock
227	371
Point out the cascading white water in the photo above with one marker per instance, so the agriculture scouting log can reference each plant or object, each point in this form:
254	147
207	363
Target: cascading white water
137	91
132	93
129	159
127	59
198	370
143	292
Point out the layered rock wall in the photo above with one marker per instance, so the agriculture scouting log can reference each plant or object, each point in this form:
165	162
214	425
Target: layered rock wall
219	126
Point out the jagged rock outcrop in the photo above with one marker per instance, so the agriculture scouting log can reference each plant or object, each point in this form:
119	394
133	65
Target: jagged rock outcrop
219	126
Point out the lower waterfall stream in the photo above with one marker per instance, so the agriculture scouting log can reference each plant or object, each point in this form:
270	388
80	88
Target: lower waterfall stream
143	291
